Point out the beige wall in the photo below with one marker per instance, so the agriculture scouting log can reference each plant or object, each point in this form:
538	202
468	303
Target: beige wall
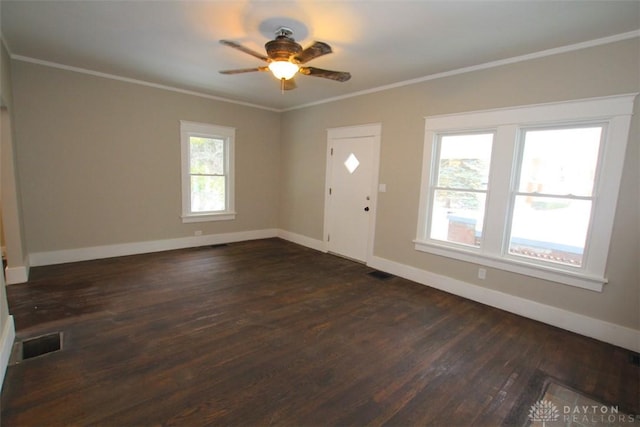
99	160
597	71
5	101
99	163
13	226
6	94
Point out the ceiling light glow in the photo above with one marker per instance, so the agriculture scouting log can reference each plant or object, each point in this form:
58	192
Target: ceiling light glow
283	69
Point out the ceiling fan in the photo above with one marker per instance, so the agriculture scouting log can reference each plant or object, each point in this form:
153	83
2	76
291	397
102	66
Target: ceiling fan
285	58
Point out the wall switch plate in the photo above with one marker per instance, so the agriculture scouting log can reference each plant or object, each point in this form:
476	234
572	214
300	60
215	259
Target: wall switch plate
382	188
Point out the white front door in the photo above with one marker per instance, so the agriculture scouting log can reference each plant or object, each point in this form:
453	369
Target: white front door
352	176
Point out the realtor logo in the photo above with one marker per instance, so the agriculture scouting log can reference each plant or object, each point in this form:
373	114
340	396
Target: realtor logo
543	411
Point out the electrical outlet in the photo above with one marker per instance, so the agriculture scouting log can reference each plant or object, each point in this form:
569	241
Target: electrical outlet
482	273
197	233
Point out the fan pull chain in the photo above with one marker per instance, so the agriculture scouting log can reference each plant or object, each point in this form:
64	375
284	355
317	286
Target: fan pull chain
282	85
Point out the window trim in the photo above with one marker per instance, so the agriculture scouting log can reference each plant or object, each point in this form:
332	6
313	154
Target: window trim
508	123
227	134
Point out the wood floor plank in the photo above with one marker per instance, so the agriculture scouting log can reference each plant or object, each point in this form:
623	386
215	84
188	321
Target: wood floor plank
270	333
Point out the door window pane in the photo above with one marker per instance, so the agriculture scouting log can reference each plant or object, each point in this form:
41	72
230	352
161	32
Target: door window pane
352	163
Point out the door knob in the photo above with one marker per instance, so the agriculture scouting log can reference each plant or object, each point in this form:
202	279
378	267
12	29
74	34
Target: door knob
366	209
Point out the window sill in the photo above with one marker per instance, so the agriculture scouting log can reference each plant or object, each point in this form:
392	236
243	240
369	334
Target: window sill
577	279
223	216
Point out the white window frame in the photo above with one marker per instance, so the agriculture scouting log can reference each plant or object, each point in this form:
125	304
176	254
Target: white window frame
613	112
204	130
435	175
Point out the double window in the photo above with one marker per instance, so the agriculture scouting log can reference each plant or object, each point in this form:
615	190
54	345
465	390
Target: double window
207	172
531	189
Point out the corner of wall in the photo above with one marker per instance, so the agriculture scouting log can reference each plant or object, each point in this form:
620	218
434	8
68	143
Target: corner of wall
19	274
6	346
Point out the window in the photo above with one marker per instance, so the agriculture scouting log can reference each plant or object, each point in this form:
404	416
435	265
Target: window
459	195
531	189
555	188
207	172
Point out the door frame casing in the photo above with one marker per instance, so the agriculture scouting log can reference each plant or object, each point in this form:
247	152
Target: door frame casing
373	130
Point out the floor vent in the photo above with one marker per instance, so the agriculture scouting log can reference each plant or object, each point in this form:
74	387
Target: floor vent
635	359
39	346
380	275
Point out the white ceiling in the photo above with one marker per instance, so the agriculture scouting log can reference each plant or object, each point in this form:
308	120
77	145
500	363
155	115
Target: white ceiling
175	43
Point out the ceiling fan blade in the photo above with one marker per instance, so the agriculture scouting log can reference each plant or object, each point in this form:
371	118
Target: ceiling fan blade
315	50
244	49
244	70
289	84
340	76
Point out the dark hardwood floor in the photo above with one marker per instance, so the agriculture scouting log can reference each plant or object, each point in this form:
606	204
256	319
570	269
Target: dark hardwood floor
270	333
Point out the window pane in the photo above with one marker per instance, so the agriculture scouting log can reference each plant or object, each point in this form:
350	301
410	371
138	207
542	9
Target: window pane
464	161
550	229
560	161
206	156
457	217
207	193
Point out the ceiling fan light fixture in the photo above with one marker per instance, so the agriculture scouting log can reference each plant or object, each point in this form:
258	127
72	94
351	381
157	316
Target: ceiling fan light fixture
285	58
283	69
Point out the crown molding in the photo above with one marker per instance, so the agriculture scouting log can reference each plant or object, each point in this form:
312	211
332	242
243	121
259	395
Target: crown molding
135	81
487	65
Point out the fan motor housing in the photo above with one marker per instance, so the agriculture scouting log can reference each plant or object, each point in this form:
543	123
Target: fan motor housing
282	48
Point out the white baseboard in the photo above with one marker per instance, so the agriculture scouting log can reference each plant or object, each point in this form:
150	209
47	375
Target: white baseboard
15	275
601	330
6	346
594	328
109	251
301	240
